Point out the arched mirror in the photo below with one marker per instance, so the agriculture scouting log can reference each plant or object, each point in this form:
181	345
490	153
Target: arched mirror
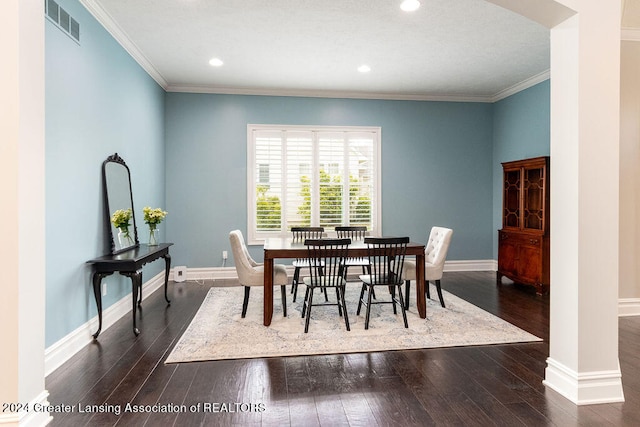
118	200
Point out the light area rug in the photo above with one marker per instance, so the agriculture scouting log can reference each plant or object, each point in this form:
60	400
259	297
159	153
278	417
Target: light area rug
218	332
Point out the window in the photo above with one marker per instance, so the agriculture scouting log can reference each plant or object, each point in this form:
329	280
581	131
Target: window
312	176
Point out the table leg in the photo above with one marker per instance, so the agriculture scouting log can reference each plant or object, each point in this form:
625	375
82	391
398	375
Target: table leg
136	285
421	301
268	291
167	267
97	281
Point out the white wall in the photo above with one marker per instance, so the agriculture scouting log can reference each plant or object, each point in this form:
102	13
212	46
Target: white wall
630	177
22	213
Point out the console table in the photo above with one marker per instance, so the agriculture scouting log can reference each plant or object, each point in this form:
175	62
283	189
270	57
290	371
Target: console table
129	263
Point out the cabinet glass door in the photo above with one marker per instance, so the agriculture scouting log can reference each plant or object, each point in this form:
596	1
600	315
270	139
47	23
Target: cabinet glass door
511	214
533	209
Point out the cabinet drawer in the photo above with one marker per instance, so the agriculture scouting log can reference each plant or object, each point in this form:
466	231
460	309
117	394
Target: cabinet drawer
519	239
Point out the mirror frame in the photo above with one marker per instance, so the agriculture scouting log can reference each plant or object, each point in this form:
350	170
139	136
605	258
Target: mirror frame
117	159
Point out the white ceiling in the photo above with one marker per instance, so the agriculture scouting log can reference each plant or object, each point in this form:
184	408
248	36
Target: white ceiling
448	49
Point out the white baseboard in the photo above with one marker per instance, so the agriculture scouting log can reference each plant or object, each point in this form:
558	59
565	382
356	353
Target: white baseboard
213	273
471	265
64	349
209	273
584	388
32	418
629	307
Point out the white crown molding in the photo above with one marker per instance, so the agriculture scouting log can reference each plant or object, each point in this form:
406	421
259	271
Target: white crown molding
103	17
630	34
327	94
525	84
121	37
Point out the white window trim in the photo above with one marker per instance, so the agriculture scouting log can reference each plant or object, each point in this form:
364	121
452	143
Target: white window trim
252	239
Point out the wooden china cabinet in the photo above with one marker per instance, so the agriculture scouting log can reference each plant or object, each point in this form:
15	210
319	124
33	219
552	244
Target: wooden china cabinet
523	241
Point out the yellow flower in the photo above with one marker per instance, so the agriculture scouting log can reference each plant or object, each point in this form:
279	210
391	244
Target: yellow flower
120	218
153	216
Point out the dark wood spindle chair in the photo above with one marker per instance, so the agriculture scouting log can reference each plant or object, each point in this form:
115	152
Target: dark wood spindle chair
355	233
331	254
300	234
386	255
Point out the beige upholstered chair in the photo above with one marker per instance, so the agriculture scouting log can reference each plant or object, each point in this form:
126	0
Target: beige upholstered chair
251	273
435	253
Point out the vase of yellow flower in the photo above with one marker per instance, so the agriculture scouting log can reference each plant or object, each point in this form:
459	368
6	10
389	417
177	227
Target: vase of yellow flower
153	236
153	217
120	220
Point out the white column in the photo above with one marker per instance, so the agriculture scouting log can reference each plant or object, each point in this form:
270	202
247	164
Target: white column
585	113
585	143
630	177
22	251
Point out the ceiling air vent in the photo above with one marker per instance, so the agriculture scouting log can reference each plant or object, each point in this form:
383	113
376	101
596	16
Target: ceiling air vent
62	19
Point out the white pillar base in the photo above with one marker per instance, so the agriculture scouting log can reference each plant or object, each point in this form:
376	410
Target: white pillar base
37	416
584	388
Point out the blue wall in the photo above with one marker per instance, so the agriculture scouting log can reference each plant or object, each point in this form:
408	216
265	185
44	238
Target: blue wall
440	162
98	101
521	129
436	167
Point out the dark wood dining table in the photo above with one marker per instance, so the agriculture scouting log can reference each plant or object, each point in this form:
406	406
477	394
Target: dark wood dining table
286	248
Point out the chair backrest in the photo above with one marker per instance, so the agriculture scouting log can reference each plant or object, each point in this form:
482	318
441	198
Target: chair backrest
355	232
386	255
300	234
435	253
329	255
241	257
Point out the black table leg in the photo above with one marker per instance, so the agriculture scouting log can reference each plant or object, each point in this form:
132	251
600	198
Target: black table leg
136	285
167	263
97	293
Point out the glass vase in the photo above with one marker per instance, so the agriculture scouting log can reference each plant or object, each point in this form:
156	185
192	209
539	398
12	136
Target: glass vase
124	238
153	236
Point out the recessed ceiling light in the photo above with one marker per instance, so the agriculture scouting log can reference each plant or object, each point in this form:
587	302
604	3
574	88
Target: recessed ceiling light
364	68
216	62
410	5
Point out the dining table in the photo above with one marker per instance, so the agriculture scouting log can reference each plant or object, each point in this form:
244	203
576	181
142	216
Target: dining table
287	248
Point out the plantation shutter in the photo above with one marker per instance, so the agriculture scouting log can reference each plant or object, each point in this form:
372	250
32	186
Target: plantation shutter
298	195
362	178
331	178
268	183
303	176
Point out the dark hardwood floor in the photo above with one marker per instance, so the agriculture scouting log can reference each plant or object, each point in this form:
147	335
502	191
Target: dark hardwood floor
464	386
